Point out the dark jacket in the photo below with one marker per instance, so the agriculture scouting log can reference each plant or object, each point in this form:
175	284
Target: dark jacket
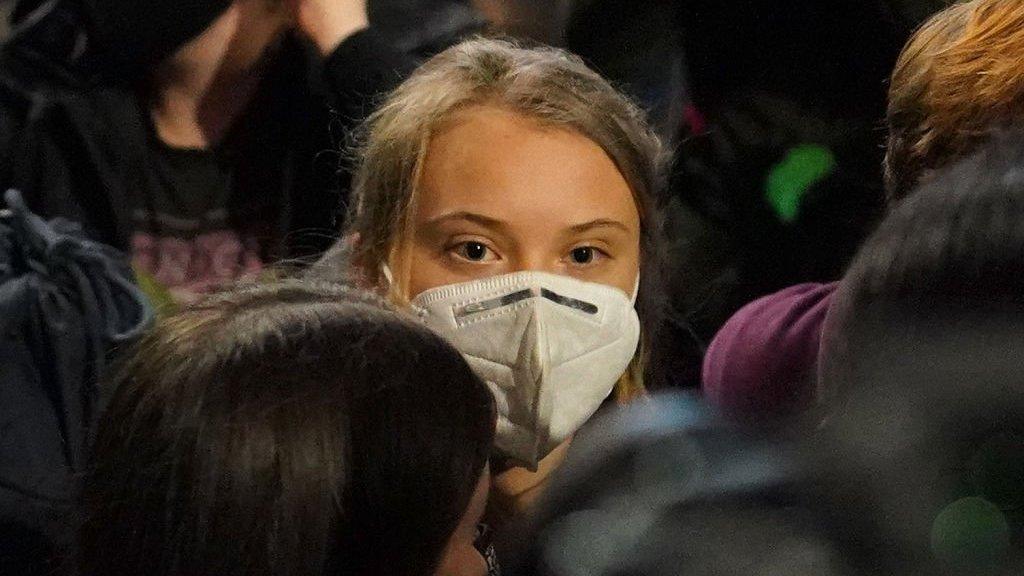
75	127
65	303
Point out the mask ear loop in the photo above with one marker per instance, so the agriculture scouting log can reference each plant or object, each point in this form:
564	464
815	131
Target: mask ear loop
386	283
636	289
388	277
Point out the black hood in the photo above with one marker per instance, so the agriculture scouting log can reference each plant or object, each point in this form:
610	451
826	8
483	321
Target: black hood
126	36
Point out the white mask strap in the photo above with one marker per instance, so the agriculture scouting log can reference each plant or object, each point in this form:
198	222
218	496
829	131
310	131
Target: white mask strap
385	271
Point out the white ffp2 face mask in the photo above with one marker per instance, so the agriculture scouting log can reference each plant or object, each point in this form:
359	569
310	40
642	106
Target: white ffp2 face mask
550	348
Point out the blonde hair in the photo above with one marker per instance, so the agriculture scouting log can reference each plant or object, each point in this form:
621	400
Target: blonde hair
959	77
547	85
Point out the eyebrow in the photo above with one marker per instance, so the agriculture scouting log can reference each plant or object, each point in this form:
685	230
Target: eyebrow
480	219
599	223
494	223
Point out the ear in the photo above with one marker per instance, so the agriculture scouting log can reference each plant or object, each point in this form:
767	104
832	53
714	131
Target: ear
360	273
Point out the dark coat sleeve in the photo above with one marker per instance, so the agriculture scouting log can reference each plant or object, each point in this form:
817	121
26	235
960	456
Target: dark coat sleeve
361	70
355	77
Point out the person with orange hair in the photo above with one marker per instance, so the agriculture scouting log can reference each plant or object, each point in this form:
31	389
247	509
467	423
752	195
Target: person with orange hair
957	79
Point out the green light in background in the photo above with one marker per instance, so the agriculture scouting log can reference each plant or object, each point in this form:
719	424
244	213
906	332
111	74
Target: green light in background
970	532
791	179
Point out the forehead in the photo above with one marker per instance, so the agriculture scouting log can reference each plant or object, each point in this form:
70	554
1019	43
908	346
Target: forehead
511	167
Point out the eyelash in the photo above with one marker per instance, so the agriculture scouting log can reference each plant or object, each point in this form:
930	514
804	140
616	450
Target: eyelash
459	250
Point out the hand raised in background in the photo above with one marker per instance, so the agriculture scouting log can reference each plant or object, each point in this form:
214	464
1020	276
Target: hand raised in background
329	22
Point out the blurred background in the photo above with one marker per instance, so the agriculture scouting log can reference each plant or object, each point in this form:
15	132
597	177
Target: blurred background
775	109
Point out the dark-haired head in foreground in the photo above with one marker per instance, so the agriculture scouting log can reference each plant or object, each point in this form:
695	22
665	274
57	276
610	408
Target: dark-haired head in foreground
669	488
291	429
947	263
921	365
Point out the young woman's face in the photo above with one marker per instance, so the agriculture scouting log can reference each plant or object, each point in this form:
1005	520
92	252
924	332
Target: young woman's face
501	193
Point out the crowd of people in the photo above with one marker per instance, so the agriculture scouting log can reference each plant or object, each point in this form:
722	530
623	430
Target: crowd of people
464	288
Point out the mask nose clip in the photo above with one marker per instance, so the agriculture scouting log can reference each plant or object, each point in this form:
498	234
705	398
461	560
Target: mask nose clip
525	294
